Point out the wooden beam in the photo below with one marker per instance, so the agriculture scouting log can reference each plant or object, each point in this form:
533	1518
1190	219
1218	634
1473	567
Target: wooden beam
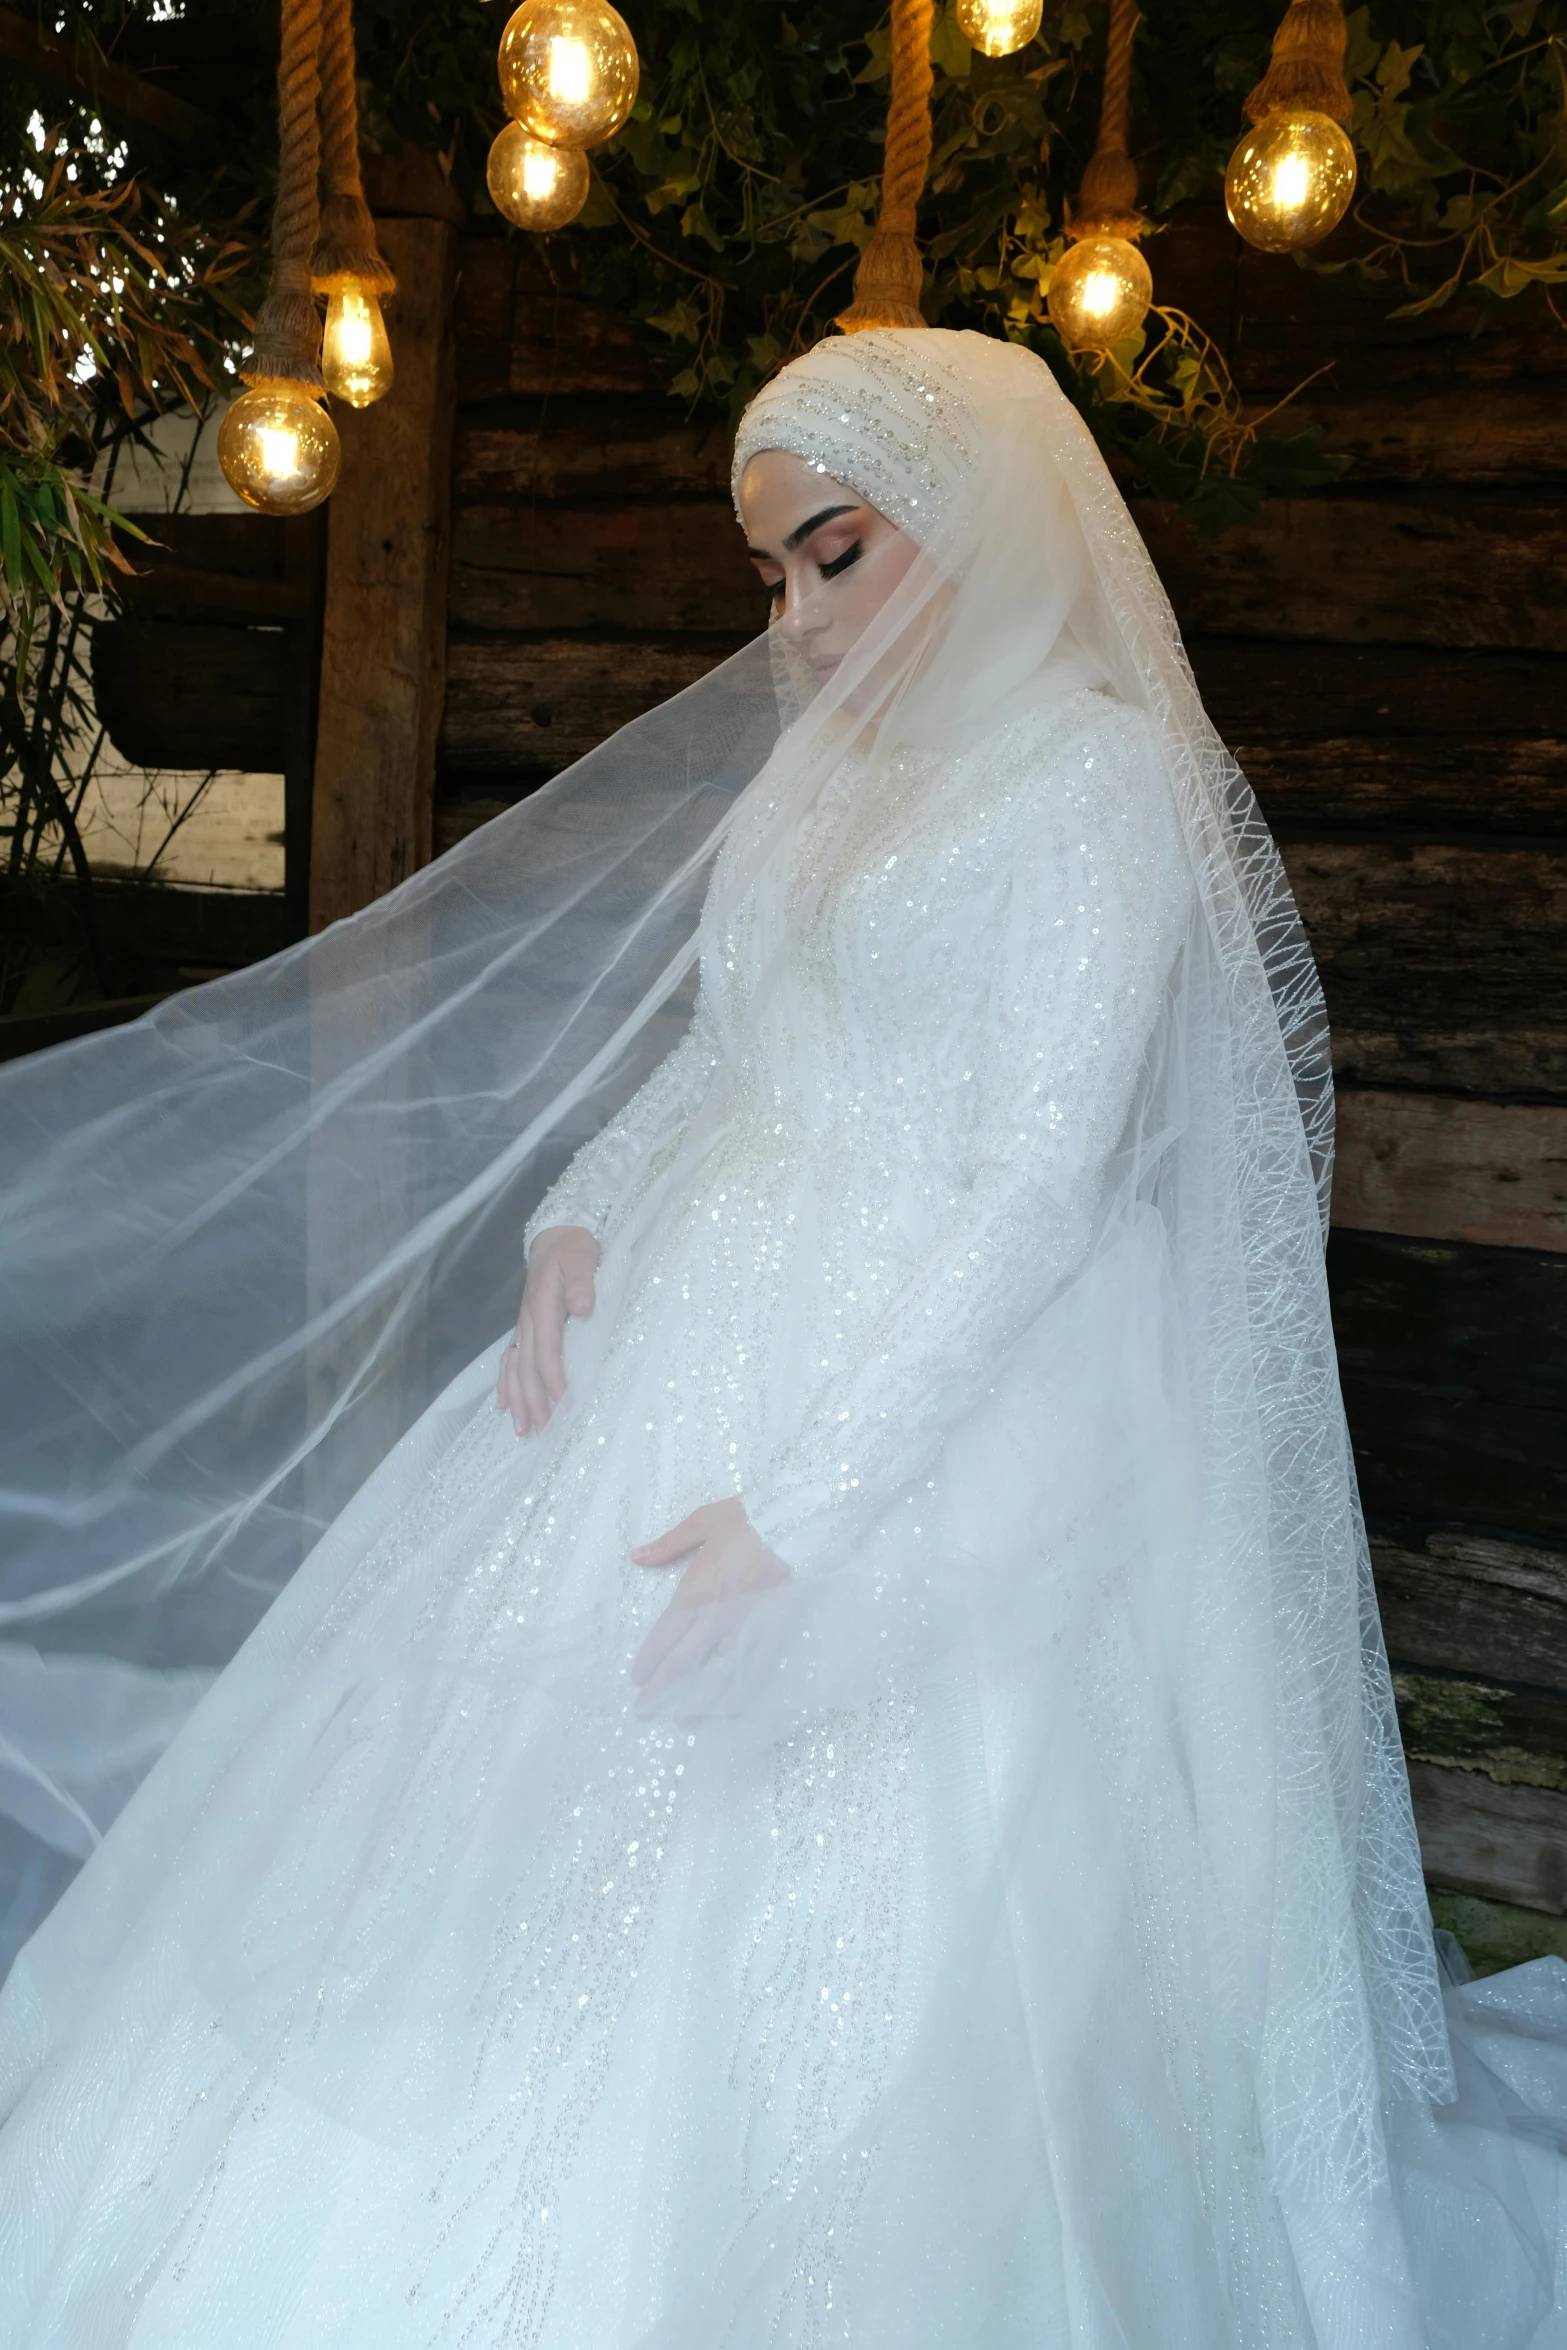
1505	1843
384	630
1453	1359
1465	1603
1437	1167
125	97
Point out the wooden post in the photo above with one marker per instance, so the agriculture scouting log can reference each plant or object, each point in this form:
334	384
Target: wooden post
383	652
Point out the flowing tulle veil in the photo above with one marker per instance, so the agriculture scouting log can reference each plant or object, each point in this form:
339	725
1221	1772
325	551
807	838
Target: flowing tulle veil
250	1240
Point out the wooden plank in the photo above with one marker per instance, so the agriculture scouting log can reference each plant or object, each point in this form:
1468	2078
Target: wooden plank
1423	570
531	708
1277	691
1521	1059
35	1032
1440	1167
1491	918
1363	734
1500	1842
558	569
1465	1604
1281	321
1505	432
1454	784
384	633
1517	1736
178	694
518	334
588	448
171	936
1401	571
1453	1359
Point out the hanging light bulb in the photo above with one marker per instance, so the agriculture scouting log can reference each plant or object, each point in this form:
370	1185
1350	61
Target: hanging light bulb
1099	293
568	71
996	27
1290	180
356	358
535	185
279	449
1292	175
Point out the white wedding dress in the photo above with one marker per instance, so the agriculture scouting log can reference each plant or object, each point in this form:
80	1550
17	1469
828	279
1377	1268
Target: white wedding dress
890	1988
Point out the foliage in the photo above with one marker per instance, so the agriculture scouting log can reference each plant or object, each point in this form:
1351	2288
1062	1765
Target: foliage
114	307
731	211
1461	118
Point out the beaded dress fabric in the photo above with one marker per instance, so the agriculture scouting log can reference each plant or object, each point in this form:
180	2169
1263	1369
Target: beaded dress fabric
1014	1933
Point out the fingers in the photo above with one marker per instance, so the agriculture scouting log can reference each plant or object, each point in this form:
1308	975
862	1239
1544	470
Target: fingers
547	1320
676	1544
535	1396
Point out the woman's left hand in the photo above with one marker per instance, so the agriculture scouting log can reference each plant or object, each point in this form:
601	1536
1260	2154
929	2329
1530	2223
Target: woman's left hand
730	1569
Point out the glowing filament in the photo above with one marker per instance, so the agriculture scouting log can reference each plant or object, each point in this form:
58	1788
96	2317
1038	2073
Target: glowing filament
571	70
1291	182
540	171
1099	293
279	451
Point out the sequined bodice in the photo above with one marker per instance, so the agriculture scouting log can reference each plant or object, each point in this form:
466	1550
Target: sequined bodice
914	1046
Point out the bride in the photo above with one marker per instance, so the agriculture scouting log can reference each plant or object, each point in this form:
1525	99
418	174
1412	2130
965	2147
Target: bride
861	1804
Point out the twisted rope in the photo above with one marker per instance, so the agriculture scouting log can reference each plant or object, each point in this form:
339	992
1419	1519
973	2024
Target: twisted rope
346	254
288	332
1107	200
1307	70
888	279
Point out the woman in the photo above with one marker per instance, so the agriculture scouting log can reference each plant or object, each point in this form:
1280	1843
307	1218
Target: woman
863	1803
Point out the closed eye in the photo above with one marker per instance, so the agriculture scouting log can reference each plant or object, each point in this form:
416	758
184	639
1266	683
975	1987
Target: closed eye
840	562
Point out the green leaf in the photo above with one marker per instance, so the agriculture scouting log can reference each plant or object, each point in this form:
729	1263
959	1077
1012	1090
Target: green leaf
949	52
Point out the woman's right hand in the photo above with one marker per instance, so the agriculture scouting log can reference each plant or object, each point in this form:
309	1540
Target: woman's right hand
561	1266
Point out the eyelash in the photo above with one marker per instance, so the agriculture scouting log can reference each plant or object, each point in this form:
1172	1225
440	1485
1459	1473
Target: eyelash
839	563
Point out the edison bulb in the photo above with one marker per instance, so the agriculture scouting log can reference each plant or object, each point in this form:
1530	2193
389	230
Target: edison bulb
1099	293
535	185
1290	180
279	449
997	27
356	358
568	71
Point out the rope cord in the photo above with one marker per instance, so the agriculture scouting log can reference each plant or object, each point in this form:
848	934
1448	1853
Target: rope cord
1107	200
888	280
288	332
1307	69
347	253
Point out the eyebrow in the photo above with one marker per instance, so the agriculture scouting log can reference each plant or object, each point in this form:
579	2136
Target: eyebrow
797	538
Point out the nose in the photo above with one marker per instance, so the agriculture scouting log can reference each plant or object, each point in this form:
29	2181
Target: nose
801	613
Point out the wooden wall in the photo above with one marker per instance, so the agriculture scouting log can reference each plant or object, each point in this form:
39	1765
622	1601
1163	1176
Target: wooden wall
1389	659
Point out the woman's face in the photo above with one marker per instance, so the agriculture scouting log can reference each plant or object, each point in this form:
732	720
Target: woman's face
828	559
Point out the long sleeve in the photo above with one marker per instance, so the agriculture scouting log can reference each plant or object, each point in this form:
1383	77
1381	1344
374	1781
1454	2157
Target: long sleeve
1094	918
599	1181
